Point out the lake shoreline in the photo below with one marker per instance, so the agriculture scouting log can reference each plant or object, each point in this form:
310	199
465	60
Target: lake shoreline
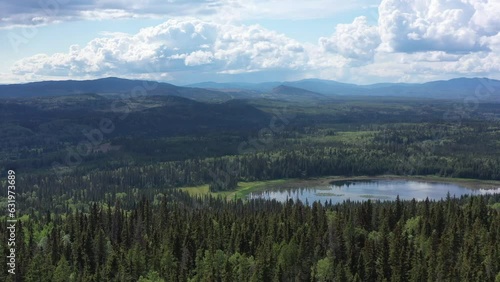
381	187
473	184
246	188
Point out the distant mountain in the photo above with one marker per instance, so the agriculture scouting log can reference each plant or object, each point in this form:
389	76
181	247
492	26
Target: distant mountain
327	87
65	87
291	90
110	85
266	86
449	89
292	93
458	88
464	85
261	87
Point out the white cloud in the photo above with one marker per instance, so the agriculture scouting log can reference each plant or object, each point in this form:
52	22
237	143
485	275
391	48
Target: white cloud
493	42
357	41
453	26
254	48
414	41
482	63
174	46
485	18
18	13
15	13
198	58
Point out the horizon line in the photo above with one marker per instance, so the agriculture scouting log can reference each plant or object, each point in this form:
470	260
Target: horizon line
237	82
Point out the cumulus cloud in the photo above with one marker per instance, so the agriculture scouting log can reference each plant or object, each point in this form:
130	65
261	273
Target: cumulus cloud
198	58
357	40
428	39
485	18
25	12
454	26
413	41
174	46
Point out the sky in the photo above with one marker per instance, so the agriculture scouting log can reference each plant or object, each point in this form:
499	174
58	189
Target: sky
190	41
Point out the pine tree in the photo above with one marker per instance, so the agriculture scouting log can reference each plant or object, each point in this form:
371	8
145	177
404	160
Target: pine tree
62	272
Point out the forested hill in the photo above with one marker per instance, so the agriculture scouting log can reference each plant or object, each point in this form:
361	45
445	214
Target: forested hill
111	85
312	89
41	129
179	238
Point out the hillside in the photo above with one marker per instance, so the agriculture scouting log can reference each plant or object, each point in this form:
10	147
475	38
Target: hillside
110	85
315	89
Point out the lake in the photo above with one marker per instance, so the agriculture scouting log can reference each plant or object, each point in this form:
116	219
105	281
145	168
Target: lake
362	190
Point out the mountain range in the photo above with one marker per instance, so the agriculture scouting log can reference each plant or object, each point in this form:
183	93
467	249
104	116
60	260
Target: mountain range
309	89
442	89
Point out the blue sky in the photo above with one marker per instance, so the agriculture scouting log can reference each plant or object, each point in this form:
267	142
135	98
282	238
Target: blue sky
181	42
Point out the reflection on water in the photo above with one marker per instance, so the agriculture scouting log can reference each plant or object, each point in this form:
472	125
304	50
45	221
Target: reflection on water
488	191
362	190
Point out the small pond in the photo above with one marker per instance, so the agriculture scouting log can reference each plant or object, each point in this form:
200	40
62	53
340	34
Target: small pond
362	190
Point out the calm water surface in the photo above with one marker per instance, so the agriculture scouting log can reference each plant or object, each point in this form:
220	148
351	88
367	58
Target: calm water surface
362	190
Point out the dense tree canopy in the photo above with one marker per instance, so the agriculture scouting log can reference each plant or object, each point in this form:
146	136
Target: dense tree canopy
206	239
118	214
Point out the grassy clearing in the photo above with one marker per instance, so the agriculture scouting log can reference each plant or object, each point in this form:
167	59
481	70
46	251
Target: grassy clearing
241	192
245	188
197	190
344	137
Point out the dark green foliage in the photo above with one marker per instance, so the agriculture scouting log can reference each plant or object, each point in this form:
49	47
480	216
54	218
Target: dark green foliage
117	215
265	241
